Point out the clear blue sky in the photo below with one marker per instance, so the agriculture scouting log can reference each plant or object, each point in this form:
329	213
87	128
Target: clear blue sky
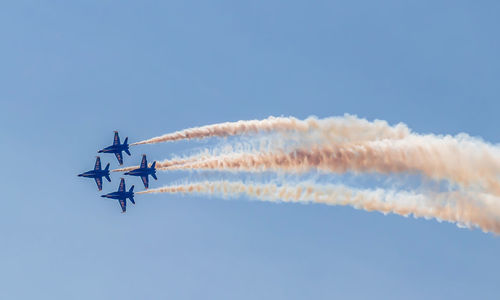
71	72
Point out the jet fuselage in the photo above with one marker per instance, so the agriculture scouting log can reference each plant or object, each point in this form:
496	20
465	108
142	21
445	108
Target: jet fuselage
119	195
141	172
114	149
95	174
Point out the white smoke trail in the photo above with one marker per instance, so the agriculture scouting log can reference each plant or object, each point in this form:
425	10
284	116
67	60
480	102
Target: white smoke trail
336	129
462	159
349	144
476	210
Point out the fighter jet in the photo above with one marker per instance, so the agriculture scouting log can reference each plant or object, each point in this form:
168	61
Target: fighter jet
97	173
121	195
144	171
117	148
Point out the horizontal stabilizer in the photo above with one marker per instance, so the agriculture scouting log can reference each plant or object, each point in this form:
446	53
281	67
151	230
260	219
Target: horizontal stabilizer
128	152
107	177
154	176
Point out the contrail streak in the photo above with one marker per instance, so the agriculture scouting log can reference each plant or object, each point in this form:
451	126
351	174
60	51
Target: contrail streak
347	128
477	210
462	159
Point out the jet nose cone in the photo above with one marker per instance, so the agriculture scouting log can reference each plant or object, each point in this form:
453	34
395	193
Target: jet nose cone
126	173
100	151
80	175
104	196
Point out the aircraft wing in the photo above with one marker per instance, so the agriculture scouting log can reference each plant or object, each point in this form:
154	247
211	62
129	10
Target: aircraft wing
97	166
123	204
119	157
116	140
144	162
122	186
145	180
98	180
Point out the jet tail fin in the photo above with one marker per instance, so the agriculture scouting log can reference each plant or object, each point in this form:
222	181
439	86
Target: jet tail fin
153	165
125	142
107	167
131	189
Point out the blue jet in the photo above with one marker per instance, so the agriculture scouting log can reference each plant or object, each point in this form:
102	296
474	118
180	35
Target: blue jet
144	171
117	148
97	173
121	195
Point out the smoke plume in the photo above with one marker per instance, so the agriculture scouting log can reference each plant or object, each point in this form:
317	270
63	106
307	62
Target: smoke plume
461	160
476	210
470	166
347	128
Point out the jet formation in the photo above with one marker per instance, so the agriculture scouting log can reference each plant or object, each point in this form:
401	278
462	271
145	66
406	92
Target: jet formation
144	171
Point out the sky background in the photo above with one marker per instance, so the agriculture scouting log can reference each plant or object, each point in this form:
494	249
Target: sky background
71	72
